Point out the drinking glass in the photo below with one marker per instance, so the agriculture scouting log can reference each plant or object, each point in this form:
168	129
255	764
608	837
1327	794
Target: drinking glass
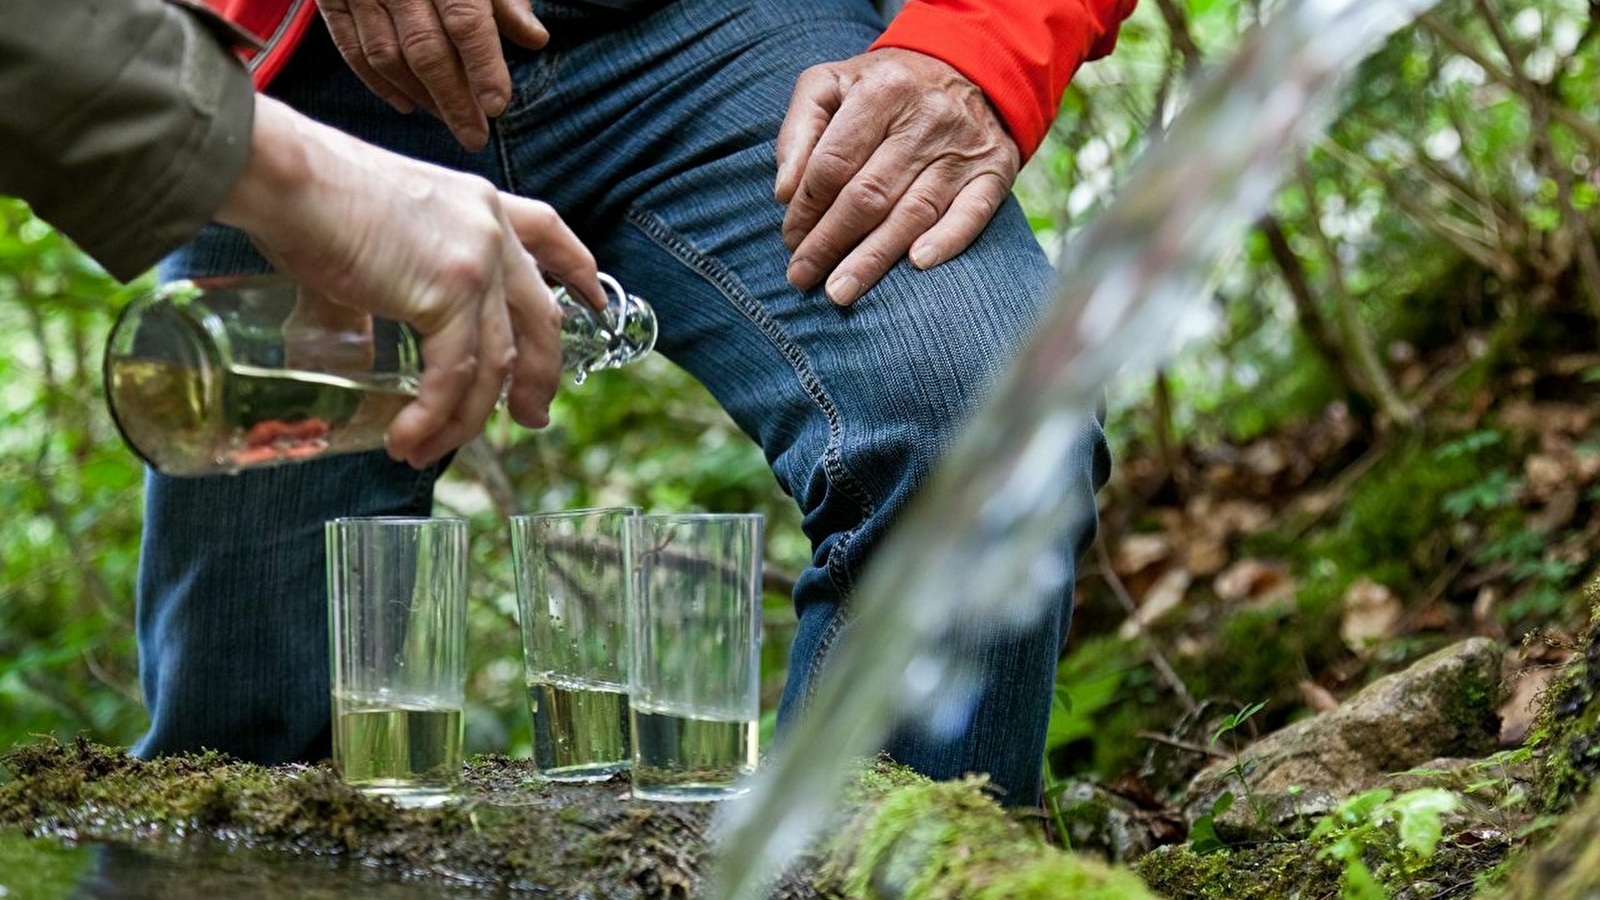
694	671
570	575
397	613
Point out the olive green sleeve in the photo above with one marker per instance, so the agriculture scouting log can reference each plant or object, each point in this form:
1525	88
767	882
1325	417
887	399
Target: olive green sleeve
124	123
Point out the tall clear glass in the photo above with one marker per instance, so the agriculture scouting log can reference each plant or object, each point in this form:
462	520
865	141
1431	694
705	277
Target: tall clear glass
571	578
397	615
694	670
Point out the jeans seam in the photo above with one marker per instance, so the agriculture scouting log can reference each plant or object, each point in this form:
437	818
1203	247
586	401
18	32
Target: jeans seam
819	656
522	95
832	458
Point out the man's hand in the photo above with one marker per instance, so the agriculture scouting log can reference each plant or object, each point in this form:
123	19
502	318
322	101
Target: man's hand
439	249
889	152
441	55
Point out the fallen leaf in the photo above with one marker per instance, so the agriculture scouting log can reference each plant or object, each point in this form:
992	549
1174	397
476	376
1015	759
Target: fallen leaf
1317	697
1371	612
1254	580
1137	552
1519	710
1163	597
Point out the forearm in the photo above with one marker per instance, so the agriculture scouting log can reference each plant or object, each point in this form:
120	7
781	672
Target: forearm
124	125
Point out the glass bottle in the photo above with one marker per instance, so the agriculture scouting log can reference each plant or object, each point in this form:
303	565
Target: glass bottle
220	375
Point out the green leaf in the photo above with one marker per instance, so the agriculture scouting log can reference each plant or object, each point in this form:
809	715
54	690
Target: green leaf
1419	817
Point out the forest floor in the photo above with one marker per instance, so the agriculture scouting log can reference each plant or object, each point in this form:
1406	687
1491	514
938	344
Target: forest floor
1246	583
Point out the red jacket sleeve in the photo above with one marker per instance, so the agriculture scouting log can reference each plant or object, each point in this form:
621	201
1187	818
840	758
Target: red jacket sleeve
1021	53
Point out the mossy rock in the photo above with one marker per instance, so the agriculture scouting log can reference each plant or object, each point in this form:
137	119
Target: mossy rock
900	837
1566	736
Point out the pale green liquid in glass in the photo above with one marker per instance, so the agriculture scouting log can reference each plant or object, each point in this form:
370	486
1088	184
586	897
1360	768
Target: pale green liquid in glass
683	757
410	751
580	729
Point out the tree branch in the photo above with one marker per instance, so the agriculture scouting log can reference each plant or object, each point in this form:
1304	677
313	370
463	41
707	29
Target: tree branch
1574	122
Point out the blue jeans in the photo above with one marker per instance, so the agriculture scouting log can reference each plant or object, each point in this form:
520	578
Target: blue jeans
654	138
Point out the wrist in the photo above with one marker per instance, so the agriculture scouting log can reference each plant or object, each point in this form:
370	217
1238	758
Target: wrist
277	169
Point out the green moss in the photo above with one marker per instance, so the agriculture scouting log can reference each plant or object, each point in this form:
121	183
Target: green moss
1064	876
1473	706
948	840
908	837
880	776
507	829
1259	653
1276	871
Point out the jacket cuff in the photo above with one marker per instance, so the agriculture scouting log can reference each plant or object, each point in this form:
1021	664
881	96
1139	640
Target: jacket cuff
1020	54
191	166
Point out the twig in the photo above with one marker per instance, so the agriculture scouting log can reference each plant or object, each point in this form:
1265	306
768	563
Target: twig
1164	668
1476	244
1181	745
1325	341
1178	32
1357	338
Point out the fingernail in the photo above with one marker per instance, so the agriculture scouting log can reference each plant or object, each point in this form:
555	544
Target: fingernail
492	103
803	274
925	256
783	178
843	289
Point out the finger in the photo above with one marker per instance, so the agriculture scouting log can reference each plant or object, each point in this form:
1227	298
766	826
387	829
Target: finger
519	24
556	248
536	327
816	98
378	54
427	51
869	259
845	146
346	36
464	367
472	28
968	215
495	359
449	369
865	203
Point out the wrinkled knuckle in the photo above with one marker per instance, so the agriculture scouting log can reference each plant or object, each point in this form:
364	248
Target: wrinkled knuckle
503	366
831	168
898	78
921	210
463	269
984	207
424	50
941	107
384	55
815	76
868	196
460	16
